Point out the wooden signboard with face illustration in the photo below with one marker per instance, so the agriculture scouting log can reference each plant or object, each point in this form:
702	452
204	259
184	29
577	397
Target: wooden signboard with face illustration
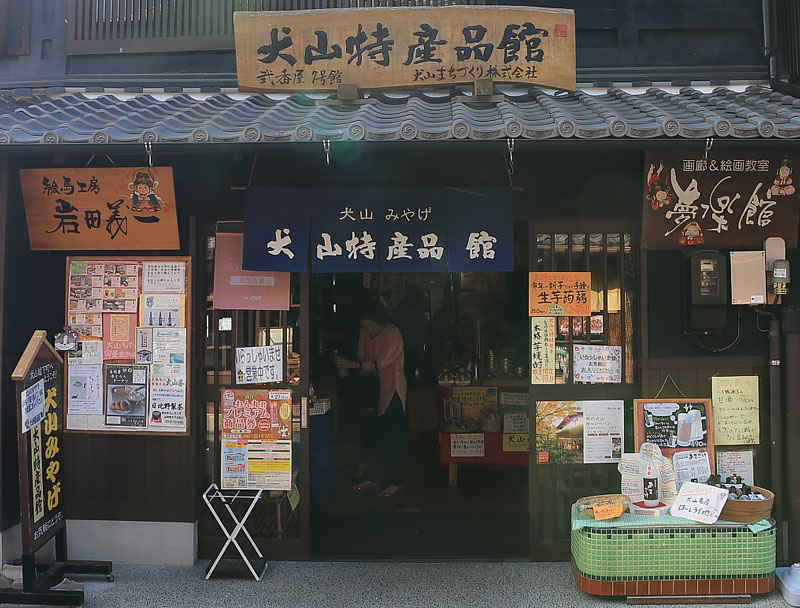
730	199
121	208
378	48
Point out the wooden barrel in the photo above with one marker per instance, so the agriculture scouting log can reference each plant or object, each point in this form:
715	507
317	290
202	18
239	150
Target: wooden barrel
748	511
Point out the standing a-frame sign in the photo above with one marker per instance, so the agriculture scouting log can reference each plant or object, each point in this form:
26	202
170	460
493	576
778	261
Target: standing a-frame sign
39	378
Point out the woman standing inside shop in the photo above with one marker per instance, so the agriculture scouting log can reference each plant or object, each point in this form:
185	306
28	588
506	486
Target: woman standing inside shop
380	353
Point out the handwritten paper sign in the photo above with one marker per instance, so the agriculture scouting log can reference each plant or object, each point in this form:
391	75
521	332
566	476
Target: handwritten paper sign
699	502
259	364
516	423
419	46
566	294
735	400
607	510
516	442
597	363
100	209
736	462
543	350
467	445
474	399
32	404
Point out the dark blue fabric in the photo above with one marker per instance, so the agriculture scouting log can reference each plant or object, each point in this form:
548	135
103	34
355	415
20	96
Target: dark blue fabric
268	214
475	216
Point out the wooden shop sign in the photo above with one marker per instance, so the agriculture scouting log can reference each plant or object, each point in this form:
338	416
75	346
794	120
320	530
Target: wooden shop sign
376	48
120	208
732	199
40	421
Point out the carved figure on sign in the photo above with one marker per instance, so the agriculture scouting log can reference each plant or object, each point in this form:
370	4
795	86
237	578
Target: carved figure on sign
658	191
692	234
782	186
143	195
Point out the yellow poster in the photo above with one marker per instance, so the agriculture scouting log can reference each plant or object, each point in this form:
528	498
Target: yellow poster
735	404
516	442
474	398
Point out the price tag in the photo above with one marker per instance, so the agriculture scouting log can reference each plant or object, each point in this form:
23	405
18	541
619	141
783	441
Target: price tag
607	510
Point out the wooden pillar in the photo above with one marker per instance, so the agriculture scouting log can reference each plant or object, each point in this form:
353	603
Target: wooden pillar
4	193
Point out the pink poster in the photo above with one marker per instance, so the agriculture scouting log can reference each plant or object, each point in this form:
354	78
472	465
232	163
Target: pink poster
119	336
237	289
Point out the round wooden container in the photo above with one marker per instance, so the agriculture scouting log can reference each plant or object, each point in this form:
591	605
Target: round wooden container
748	511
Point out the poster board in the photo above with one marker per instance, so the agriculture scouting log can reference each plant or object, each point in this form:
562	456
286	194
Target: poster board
657	421
143	371
256	439
39	376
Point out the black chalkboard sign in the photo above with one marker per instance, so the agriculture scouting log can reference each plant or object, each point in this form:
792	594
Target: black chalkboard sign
675	425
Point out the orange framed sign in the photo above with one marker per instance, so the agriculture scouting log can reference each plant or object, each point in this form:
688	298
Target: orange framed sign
562	294
119	208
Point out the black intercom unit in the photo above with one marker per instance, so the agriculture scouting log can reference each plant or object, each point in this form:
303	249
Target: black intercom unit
706	291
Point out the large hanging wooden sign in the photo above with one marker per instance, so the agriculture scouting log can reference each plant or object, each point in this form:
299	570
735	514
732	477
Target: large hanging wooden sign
732	199
406	47
119	208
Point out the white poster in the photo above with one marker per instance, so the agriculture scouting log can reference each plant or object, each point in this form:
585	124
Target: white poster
603	429
162	310
258	364
597	363
144	345
516	423
735	462
699	502
466	445
167	397
543	350
32	405
164	277
169	345
269	464
691	465
85	389
88	352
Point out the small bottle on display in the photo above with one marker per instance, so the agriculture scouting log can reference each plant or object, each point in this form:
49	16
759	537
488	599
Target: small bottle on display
651	486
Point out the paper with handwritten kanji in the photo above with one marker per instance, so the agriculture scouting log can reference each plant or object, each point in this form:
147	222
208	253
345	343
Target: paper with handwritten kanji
736	411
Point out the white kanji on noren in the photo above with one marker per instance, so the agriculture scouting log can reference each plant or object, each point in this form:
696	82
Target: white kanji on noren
363	245
281	244
327	248
429	248
399	247
481	244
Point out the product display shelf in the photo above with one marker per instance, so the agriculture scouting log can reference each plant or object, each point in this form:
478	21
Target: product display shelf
640	555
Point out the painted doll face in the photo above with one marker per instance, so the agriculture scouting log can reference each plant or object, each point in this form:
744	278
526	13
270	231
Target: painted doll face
142	189
784	171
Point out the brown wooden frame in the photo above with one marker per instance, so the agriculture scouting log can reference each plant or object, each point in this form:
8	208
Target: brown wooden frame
189	329
638	427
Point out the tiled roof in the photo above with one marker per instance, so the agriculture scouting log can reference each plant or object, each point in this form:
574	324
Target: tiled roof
83	118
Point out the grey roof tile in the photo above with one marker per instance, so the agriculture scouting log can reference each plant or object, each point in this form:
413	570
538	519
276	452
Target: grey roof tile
756	112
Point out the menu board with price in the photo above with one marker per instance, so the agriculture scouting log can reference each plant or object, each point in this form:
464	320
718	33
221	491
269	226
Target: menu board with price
675	425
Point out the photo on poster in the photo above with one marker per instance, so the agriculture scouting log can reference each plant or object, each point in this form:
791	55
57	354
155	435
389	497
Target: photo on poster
579	432
161	310
126	401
